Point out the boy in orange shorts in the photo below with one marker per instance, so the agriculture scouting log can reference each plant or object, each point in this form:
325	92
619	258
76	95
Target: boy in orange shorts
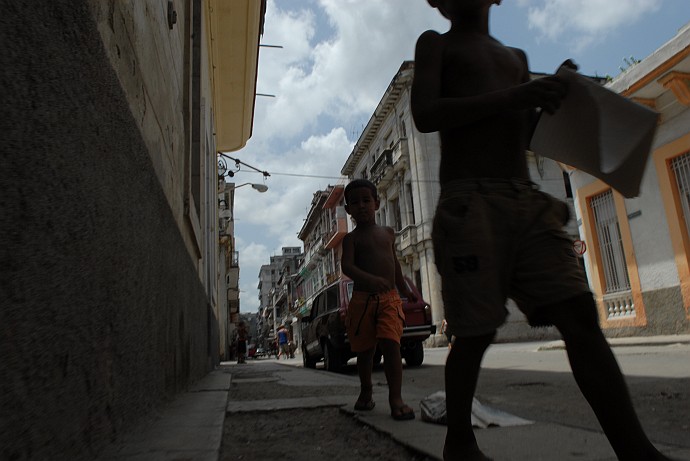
375	315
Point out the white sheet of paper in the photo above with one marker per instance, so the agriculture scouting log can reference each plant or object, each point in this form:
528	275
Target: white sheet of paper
599	132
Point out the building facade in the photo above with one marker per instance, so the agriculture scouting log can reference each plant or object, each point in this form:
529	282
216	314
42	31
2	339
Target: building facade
228	271
638	250
111	302
277	291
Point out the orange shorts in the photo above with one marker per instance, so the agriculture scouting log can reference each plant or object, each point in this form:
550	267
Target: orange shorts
374	316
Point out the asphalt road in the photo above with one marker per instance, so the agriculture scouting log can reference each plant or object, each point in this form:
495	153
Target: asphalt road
527	381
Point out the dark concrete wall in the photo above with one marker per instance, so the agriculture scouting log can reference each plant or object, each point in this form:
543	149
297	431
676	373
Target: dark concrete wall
102	315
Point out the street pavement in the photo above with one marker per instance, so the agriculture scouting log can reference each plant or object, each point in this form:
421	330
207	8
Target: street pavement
191	427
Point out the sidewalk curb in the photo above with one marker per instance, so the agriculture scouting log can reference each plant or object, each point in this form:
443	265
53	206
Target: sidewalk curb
638	341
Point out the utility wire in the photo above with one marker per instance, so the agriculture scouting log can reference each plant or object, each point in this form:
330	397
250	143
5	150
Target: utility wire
299	175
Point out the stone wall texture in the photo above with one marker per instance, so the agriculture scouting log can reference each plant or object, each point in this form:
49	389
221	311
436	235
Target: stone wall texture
102	314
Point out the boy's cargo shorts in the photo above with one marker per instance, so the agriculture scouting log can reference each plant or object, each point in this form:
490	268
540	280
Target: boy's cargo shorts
499	239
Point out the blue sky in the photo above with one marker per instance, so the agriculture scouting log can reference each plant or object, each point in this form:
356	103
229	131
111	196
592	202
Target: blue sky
338	57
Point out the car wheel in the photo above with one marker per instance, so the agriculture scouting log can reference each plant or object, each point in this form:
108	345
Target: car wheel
331	358
307	361
415	355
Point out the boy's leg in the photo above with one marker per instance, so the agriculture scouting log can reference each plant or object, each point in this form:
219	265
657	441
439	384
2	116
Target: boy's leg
365	364
599	377
462	371
392	366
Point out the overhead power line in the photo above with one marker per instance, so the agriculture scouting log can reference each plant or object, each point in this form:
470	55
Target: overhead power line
344	178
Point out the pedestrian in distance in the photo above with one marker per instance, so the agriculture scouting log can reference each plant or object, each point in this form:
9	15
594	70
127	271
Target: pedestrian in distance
241	343
375	315
446	333
274	351
283	343
495	235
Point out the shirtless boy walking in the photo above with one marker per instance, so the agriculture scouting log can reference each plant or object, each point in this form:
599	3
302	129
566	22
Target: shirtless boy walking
375	314
495	235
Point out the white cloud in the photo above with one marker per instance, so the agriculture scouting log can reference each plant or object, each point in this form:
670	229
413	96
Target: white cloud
289	193
252	257
585	22
345	73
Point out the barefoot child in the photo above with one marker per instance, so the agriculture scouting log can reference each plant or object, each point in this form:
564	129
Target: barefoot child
375	315
495	235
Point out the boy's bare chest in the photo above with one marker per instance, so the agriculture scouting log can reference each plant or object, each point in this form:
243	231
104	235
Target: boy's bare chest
372	244
478	67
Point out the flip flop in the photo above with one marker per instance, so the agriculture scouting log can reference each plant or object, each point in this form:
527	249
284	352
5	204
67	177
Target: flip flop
402	413
365	406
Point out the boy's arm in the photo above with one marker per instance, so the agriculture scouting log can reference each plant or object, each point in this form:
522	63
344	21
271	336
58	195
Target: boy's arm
400	282
433	112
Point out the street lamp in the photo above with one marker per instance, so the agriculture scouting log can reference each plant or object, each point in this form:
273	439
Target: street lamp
259	187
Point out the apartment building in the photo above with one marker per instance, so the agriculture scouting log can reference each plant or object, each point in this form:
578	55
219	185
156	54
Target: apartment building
322	233
638	250
277	291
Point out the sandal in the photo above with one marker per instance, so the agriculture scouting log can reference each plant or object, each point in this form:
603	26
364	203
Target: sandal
402	413
365	406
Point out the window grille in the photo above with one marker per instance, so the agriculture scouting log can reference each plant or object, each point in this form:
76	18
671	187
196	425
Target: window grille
681	168
610	243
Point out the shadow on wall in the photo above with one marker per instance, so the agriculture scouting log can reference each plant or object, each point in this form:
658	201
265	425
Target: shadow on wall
103	316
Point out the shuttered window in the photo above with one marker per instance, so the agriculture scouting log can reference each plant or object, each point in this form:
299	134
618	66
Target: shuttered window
610	243
681	170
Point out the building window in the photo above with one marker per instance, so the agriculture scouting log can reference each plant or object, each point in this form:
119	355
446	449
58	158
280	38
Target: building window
568	187
610	243
681	171
397	224
410	204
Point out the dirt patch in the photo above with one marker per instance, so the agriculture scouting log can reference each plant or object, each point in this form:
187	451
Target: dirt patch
307	435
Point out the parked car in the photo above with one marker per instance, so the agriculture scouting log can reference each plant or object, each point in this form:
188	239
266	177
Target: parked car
324	336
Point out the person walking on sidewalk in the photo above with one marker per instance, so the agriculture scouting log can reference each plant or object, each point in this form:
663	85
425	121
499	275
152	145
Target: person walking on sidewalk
283	343
495	235
241	343
374	315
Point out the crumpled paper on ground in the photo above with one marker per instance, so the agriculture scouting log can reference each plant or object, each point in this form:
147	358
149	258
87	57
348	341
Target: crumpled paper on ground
433	409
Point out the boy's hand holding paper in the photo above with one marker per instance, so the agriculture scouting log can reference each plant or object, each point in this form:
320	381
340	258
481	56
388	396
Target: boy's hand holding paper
599	132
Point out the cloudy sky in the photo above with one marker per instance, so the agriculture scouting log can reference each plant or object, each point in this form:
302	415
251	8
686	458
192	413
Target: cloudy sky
338	57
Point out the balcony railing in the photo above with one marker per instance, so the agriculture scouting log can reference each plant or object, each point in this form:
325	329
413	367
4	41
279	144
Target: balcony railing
389	161
619	305
337	230
312	254
407	237
378	169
